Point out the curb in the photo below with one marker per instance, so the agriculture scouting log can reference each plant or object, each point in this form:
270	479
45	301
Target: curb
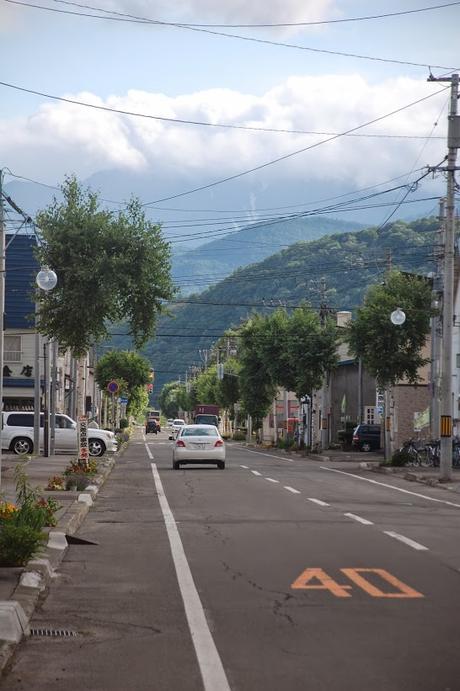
410	477
16	613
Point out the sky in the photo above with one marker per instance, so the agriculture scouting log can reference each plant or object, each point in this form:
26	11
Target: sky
187	73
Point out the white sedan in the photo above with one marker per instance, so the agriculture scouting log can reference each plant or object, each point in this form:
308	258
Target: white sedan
198	444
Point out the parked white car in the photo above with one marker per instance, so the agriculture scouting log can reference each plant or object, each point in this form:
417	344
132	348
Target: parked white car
198	444
18	435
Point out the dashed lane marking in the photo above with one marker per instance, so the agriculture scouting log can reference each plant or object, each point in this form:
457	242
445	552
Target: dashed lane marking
406	540
364	521
149	453
384	484
291	489
270	455
209	662
270	479
255	472
318	501
244	466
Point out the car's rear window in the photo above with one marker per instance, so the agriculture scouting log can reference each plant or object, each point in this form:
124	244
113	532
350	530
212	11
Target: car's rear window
199	432
178	422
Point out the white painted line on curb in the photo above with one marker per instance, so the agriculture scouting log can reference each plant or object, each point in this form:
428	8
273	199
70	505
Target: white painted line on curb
270	455
384	484
210	664
291	489
364	521
255	472
406	540
245	467
270	479
318	501
149	453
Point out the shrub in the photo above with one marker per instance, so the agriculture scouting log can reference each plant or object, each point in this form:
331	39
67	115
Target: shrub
50	507
77	482
19	543
239	436
124	423
7	510
400	458
75	467
55	483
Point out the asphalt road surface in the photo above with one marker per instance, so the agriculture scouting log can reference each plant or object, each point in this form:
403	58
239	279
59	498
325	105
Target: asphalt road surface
275	574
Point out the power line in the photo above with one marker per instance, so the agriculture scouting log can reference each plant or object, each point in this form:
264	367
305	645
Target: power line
297	152
143	20
287	24
201	123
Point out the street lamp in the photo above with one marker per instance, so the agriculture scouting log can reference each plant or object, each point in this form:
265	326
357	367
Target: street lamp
46	280
398	317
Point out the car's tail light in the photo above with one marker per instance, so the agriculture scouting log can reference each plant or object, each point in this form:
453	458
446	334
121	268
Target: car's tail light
179	442
219	442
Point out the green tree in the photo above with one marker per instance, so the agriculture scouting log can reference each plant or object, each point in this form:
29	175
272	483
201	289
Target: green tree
257	387
207	386
169	399
111	266
392	353
131	371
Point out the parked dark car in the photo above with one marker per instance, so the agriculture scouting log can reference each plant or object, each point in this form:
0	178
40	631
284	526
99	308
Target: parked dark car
366	437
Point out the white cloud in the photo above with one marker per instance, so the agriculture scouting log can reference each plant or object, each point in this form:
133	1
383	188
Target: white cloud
61	138
234	11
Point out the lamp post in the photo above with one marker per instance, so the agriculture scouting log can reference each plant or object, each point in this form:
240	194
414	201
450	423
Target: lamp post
397	318
46	280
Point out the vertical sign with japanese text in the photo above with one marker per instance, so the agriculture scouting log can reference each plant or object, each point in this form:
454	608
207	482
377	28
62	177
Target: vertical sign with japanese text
82	432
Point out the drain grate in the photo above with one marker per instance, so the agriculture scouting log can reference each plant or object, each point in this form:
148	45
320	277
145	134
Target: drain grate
54	633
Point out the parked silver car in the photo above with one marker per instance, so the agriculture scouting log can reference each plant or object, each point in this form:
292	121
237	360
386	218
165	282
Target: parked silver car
18	435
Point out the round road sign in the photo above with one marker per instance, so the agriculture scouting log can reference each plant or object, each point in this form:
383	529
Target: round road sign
112	386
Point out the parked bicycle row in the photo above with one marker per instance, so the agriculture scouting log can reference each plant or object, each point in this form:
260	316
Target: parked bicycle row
427	453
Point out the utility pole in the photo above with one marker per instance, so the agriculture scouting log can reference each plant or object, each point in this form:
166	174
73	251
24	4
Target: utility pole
324	311
446	407
436	328
2	306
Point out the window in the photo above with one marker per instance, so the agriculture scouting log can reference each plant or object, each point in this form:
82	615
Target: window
370	415
199	432
13	348
18	420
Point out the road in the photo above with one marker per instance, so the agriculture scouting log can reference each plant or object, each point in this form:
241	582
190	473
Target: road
277	573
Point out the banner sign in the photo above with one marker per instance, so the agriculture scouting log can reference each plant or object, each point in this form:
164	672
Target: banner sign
82	432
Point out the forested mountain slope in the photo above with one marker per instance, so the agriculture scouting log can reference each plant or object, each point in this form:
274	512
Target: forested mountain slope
348	262
202	266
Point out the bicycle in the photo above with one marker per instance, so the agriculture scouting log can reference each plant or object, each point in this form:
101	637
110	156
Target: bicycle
414	457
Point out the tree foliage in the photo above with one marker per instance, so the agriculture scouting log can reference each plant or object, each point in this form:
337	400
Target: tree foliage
110	267
392	353
131	371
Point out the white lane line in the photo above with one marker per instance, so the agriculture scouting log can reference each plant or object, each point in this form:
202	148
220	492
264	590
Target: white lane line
398	489
245	467
406	540
270	479
149	453
364	521
318	501
209	662
291	489
255	472
270	455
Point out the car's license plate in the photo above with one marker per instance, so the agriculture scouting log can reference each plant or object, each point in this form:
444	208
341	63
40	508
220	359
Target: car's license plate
199	446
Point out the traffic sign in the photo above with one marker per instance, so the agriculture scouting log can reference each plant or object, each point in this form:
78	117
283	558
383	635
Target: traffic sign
123	399
113	386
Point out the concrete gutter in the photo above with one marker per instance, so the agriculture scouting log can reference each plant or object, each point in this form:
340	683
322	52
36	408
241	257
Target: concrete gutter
414	476
35	578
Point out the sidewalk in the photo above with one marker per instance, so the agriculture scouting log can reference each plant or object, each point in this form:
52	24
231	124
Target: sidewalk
21	587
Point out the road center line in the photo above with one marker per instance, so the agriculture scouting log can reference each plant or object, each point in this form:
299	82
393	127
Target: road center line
318	501
270	479
384	484
270	455
149	453
364	521
291	489
210	664
255	472
406	540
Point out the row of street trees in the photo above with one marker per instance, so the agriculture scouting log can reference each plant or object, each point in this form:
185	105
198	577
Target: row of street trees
296	349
